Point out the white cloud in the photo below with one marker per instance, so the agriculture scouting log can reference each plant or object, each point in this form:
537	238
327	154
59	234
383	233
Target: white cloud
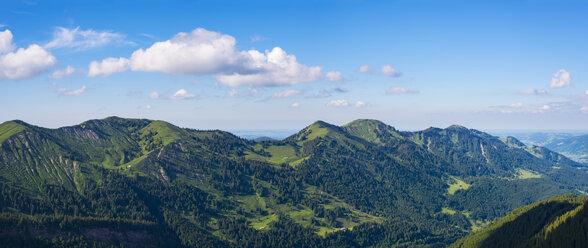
587	92
148	107
360	104
334	76
251	92
75	92
388	70
400	90
198	52
23	63
153	95
182	94
560	79
273	68
108	66
285	94
64	73
6	41
584	109
338	103
516	105
82	39
365	68
295	105
532	91
203	52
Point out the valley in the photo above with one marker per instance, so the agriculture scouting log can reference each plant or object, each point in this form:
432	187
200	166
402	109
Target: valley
138	182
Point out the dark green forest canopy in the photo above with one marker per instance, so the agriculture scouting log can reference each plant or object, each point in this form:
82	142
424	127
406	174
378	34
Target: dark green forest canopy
137	182
560	221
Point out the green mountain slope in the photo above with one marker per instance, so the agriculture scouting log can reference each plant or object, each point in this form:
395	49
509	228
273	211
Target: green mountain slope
149	182
575	147
557	222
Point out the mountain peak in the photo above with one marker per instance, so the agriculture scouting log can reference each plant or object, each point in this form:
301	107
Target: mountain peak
457	127
371	130
9	128
318	129
320	123
369	122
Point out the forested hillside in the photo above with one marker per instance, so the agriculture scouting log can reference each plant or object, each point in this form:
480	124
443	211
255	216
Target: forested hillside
136	182
573	145
560	221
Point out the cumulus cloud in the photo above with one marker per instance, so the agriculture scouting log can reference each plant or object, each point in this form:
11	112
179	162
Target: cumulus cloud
64	73
75	92
338	103
587	92
107	67
6	41
334	76
203	52
360	104
285	94
532	91
198	52
400	90
153	95
273	68
366	68
182	94
24	62
295	105
584	109
82	39
388	70
560	79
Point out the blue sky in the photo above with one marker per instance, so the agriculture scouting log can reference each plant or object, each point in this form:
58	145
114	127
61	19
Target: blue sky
282	65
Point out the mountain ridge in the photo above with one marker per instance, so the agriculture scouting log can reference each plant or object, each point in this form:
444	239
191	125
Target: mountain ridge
328	180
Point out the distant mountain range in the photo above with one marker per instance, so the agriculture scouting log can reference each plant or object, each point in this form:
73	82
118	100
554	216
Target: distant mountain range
137	182
275	134
571	144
